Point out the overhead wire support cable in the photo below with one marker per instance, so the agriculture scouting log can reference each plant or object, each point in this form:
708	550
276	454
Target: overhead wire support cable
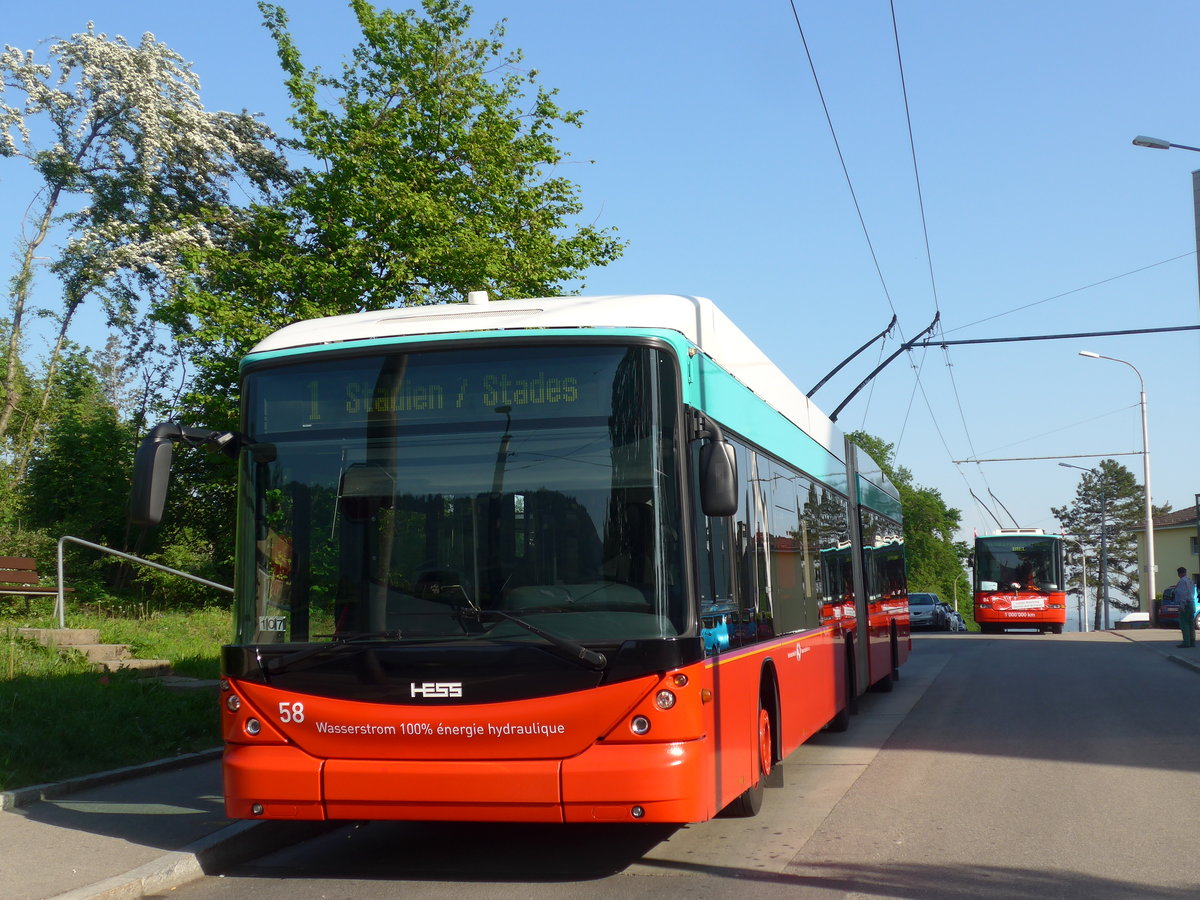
847	360
1055	337
1073	291
1040	458
907	345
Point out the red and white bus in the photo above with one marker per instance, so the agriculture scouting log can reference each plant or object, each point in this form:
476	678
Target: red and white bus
1019	581
557	560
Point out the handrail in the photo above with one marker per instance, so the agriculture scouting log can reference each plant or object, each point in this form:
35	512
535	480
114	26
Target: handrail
60	605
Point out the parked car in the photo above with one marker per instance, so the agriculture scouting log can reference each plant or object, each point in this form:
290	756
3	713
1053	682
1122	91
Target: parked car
1168	610
959	623
926	612
1134	620
950	623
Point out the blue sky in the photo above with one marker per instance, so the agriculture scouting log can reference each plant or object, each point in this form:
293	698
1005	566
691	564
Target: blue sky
706	145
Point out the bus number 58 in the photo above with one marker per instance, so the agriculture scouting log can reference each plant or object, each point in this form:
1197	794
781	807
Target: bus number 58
291	712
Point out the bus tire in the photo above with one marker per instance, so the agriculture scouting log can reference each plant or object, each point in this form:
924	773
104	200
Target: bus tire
747	804
884	685
841	719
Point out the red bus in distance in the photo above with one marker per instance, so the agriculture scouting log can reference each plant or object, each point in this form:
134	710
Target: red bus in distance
1019	581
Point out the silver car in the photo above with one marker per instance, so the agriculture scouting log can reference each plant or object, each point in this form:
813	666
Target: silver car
925	612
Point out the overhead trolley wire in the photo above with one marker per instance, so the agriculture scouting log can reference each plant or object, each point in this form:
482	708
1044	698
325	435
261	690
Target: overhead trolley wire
842	159
905	345
932	278
912	146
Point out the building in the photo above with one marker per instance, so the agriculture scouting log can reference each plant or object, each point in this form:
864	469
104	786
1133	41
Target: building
1176	542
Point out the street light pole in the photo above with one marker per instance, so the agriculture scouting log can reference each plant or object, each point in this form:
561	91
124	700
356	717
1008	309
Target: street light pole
1102	591
1083	590
1159	144
1148	583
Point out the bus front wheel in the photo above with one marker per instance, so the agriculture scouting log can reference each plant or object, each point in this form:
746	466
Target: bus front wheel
749	801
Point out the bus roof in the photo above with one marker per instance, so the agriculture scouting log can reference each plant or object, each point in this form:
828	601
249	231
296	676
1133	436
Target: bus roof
1017	532
697	318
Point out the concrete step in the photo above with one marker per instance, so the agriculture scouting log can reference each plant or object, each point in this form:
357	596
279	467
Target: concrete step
102	652
61	637
146	667
186	683
105	657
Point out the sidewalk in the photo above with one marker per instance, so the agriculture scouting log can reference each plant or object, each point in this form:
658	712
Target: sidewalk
1164	642
147	829
128	833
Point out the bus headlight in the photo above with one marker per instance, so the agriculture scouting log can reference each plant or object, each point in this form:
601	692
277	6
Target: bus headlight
664	700
639	725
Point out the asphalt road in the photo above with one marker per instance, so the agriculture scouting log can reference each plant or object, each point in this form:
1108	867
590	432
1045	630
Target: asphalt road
1015	766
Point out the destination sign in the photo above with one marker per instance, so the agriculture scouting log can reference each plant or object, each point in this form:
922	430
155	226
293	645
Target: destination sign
444	387
493	390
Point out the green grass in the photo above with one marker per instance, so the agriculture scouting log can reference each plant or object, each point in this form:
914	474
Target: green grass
61	719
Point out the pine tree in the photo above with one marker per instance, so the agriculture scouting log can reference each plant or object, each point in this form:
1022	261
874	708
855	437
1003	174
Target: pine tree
1109	503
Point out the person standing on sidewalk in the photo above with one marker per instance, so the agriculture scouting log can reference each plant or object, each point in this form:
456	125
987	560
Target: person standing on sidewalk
1185	596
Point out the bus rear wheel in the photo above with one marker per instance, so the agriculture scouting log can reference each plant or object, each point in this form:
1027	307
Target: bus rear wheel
841	719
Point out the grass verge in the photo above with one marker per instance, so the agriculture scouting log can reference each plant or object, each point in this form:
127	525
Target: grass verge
62	719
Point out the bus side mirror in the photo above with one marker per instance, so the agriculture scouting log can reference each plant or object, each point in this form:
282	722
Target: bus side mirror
152	464
718	479
151	474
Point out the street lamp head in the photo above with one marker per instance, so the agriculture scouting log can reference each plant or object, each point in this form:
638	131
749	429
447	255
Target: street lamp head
1089	353
1153	143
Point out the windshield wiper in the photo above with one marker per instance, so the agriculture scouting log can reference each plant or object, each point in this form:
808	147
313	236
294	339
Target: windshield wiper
339	644
571	650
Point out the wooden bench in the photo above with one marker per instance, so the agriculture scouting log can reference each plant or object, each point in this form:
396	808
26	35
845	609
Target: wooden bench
19	577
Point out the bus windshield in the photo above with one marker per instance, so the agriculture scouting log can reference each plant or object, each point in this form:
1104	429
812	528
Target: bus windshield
1023	563
428	496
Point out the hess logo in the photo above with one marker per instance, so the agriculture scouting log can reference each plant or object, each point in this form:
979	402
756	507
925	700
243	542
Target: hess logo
429	689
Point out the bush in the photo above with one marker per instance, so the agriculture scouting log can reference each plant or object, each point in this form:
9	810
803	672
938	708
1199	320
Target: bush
188	552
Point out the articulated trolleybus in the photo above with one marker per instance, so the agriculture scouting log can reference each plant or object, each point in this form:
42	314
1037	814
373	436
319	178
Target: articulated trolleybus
562	560
1019	581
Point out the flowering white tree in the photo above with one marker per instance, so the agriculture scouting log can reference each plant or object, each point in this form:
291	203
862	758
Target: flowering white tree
135	175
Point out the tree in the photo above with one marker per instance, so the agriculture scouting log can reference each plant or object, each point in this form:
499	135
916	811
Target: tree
133	168
433	174
934	559
78	480
1108	499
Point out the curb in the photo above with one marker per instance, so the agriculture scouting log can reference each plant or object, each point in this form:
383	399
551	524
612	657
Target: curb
19	797
231	846
1186	662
